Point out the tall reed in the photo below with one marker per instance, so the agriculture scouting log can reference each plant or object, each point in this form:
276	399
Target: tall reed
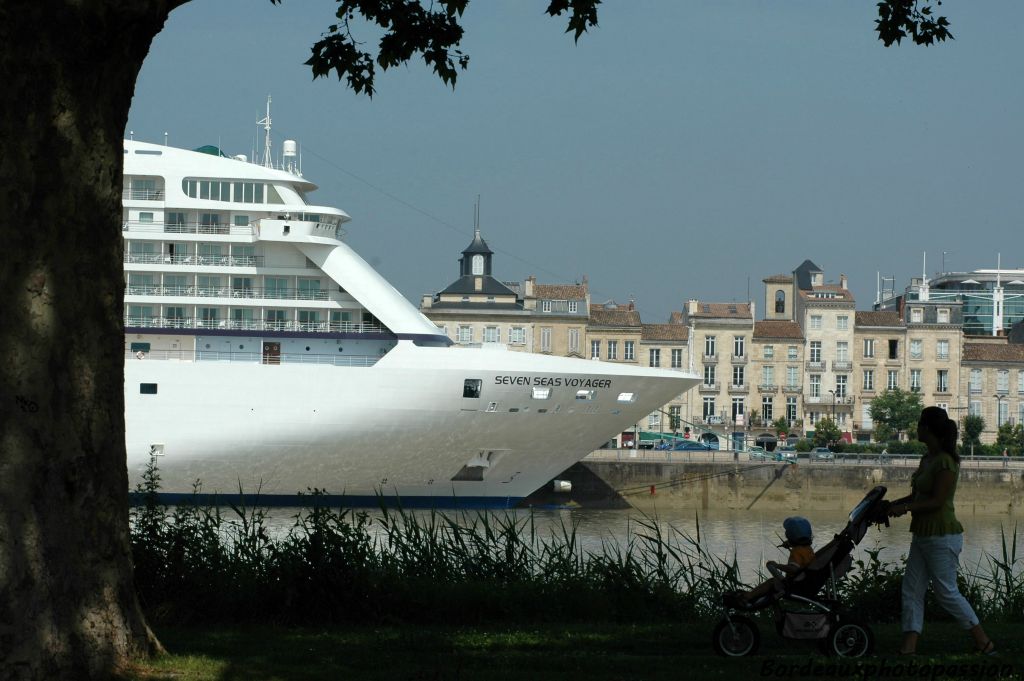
343	565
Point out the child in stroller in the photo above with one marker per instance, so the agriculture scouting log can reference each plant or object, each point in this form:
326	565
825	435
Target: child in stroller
798	540
800	613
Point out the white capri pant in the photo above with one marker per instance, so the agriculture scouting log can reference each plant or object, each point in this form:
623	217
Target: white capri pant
934	559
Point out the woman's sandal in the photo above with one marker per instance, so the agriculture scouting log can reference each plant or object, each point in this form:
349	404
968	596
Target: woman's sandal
988	649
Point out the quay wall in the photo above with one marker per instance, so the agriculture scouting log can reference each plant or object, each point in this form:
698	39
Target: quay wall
778	486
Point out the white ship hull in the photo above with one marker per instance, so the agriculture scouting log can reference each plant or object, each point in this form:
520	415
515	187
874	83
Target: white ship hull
400	429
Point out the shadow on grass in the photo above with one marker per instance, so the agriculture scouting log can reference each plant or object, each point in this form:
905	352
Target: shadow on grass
519	652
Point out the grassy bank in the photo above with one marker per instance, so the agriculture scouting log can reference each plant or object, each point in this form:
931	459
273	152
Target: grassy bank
540	653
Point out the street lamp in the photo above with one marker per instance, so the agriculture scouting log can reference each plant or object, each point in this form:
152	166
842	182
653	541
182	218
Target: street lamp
999	410
833	393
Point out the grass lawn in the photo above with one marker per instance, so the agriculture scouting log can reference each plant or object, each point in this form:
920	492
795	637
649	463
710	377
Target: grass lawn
545	652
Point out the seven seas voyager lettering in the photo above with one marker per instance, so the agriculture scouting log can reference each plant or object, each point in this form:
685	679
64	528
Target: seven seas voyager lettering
554	381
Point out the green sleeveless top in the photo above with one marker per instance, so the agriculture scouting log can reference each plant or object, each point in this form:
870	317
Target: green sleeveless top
943	519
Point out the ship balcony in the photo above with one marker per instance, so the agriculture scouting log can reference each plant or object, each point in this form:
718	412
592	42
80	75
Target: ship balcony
813	365
204	260
842	365
142	195
155	322
708	388
257	292
136	227
253	357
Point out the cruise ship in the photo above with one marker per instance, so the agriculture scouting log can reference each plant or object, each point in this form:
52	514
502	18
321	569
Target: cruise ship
263	355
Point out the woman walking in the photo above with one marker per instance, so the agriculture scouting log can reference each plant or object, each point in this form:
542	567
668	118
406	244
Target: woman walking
938	535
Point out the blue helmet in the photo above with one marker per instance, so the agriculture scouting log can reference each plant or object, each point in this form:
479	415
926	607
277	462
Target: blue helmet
798	530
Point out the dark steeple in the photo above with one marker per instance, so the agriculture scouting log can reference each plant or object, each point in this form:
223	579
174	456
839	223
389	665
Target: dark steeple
476	257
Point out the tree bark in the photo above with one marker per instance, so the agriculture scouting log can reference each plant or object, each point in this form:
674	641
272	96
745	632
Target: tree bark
68	608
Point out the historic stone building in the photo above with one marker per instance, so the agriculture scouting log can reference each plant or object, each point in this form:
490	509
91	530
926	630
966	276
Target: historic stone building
777	365
667	346
528	317
721	338
993	374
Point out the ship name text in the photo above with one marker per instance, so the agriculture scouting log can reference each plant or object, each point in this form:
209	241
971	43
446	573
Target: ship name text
554	381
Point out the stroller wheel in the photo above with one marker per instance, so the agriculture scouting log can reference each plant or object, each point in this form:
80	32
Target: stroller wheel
736	637
850	638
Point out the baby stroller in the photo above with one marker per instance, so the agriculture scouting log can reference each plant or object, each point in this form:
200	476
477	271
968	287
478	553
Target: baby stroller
800	613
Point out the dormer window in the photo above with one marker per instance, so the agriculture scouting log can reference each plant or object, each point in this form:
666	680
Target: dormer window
478	264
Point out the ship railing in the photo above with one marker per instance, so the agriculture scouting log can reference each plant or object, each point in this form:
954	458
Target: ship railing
263	293
158	322
143	194
188	228
207	260
252	357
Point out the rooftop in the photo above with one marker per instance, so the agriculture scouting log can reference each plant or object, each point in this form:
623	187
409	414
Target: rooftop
621	315
880	318
991	352
828	292
560	291
664	332
777	329
721	310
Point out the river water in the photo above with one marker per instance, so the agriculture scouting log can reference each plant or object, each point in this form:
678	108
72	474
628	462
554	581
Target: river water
751	537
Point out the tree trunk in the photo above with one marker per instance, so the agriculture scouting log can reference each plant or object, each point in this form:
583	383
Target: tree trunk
68	608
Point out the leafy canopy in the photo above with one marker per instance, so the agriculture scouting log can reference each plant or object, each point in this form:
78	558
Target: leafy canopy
432	31
896	410
826	432
973	427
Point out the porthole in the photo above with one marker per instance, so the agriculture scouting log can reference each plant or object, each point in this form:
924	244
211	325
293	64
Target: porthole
241	347
207	346
340	349
513	410
307	348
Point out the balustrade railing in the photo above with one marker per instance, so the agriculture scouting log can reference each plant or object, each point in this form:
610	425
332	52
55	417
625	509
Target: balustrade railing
188	228
143	194
157	322
252	357
194	259
258	292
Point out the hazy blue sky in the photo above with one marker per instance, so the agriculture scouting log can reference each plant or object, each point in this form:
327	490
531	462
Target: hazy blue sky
678	149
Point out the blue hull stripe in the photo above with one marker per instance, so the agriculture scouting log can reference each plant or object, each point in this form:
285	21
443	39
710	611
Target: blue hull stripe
337	500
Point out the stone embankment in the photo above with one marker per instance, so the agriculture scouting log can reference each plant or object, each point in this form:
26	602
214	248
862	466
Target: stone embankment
985	488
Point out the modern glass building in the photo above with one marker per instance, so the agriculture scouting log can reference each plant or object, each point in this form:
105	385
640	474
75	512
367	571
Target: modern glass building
993	300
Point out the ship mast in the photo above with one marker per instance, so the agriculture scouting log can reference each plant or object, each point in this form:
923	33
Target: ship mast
265	122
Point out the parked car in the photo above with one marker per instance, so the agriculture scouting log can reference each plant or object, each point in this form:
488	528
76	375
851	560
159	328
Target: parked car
822	454
691	446
785	453
759	454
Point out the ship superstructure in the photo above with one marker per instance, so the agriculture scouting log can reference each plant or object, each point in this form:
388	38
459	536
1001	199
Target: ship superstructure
261	352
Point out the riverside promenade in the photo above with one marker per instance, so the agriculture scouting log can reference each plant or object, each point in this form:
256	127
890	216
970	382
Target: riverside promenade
733	480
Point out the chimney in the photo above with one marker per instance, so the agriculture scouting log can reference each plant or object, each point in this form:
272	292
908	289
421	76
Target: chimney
631	307
842	281
528	286
691	307
426	301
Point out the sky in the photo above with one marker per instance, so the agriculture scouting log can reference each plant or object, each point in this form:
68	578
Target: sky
682	149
